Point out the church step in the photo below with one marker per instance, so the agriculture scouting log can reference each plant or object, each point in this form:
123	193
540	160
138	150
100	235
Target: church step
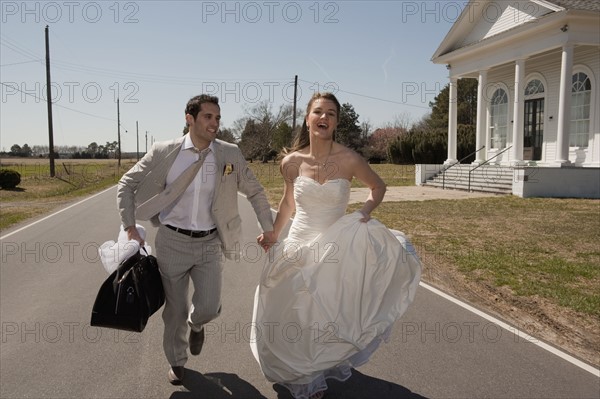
488	178
481	180
505	189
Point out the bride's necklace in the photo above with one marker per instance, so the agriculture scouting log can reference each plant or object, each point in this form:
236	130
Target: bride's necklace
322	164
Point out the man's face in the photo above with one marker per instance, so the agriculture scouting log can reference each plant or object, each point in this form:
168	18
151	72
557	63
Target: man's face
204	128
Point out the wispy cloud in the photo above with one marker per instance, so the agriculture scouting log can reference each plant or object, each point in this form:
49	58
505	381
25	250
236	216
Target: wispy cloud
323	71
384	66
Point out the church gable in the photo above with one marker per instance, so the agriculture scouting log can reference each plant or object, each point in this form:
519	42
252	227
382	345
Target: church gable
481	20
496	17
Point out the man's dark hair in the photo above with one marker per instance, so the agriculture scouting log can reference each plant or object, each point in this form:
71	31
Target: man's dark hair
193	106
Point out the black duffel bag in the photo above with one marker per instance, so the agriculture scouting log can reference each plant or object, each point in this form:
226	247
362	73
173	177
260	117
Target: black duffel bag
130	295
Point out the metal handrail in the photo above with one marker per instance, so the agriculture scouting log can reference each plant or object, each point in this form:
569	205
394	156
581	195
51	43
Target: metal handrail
456	163
485	162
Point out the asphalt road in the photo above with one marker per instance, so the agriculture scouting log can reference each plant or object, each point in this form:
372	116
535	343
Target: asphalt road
50	274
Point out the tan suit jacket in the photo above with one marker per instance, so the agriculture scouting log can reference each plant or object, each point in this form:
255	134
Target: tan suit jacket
147	178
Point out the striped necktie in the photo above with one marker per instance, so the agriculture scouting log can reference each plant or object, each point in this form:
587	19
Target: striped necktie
173	191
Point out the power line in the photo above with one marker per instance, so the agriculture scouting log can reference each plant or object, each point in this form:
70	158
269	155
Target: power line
178	80
383	99
151	77
337	89
114	73
56	104
19	63
11	44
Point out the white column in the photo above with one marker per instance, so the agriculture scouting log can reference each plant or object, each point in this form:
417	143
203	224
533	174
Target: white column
518	113
481	131
452	117
564	105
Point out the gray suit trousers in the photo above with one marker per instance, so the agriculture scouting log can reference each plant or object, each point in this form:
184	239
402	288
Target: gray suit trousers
181	259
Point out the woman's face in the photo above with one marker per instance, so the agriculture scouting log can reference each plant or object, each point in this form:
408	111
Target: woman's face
322	118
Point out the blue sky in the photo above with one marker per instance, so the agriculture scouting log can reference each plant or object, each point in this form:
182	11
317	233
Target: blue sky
157	54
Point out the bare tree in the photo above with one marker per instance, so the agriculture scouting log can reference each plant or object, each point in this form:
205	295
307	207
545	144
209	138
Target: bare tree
40	150
401	121
238	127
259	135
366	127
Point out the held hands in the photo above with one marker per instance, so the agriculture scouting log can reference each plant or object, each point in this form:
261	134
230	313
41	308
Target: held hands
266	240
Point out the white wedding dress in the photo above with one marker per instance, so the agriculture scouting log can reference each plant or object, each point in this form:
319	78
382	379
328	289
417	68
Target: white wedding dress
330	292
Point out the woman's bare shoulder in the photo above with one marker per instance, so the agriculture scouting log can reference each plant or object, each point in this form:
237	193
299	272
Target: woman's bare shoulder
290	165
292	158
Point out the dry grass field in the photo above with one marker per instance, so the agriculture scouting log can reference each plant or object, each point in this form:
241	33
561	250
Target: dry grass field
39	193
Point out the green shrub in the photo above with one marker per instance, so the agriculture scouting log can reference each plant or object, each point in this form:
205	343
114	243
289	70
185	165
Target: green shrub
466	142
430	145
9	178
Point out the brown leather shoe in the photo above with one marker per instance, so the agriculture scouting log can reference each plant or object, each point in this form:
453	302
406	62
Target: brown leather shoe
196	341
175	375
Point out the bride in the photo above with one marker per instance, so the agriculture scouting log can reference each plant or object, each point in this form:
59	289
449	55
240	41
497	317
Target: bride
330	292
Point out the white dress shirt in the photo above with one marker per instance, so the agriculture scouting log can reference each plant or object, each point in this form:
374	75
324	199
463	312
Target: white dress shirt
192	211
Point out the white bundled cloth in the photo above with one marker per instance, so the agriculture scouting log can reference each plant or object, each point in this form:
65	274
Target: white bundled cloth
113	253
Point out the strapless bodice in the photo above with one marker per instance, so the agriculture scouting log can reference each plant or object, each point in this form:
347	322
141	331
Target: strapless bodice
318	206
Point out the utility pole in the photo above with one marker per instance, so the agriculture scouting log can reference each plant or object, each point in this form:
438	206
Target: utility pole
146	142
118	134
49	101
137	140
295	93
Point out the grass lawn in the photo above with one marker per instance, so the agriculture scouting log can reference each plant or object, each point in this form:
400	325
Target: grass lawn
536	247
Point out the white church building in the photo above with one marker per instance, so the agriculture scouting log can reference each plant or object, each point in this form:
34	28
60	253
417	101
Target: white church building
537	64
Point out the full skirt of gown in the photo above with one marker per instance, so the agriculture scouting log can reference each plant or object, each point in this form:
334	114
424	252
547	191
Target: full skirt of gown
330	292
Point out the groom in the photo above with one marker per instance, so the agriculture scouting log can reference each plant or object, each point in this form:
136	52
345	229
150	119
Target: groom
188	188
